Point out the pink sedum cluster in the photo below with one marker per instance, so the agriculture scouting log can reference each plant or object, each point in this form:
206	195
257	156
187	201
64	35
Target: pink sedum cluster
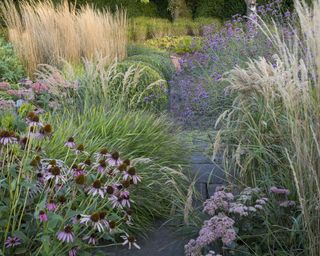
218	202
224	208
218	227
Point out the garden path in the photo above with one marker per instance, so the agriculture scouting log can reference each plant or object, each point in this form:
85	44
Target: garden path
163	239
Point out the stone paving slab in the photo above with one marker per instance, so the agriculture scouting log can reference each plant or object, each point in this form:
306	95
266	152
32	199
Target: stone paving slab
161	241
209	173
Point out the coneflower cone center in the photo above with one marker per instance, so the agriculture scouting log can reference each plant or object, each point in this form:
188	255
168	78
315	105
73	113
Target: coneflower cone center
97	184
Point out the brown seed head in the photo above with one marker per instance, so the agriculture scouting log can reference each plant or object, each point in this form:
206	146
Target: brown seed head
96	184
132	171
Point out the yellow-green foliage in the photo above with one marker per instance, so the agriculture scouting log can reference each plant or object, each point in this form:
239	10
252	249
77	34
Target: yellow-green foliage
143	28
177	44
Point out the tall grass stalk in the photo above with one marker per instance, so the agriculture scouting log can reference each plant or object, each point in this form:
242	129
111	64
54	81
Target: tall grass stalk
43	33
273	128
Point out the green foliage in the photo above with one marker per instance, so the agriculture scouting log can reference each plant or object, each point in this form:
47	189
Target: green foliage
134	7
160	63
135	134
222	9
179	45
143	28
11	69
139	49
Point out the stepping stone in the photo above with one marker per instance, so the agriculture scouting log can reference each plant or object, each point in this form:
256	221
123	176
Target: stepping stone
209	173
161	241
200	158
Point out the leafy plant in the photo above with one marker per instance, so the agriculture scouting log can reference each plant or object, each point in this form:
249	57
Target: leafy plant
179	45
11	70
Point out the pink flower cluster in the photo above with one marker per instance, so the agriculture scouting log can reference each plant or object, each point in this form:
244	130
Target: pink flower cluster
7	104
218	202
282	195
218	227
225	209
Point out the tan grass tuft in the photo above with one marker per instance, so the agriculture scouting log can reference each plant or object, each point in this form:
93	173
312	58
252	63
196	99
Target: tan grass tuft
44	34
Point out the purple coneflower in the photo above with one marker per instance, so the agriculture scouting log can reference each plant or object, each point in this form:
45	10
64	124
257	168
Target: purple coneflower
128	216
70	143
7	138
131	174
92	239
112	226
96	220
86	163
102	166
131	241
97	189
43	216
12	241
78	170
114	159
125	198
116	201
45	131
66	235
79	149
51	206
102	155
73	251
54	174
76	219
33	120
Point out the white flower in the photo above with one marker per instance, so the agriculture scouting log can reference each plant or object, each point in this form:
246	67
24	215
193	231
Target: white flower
54	173
131	175
97	189
96	220
130	240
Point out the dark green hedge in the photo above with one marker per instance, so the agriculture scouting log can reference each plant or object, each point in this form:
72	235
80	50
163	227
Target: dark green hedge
134	7
224	9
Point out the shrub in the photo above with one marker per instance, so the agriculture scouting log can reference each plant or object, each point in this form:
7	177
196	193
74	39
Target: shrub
143	28
46	34
179	45
134	8
11	69
140	49
272	129
158	62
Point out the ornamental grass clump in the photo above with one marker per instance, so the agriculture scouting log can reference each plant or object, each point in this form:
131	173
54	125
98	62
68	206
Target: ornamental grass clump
129	84
54	206
271	132
42	33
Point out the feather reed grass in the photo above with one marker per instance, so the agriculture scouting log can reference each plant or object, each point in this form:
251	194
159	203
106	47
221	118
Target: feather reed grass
42	33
